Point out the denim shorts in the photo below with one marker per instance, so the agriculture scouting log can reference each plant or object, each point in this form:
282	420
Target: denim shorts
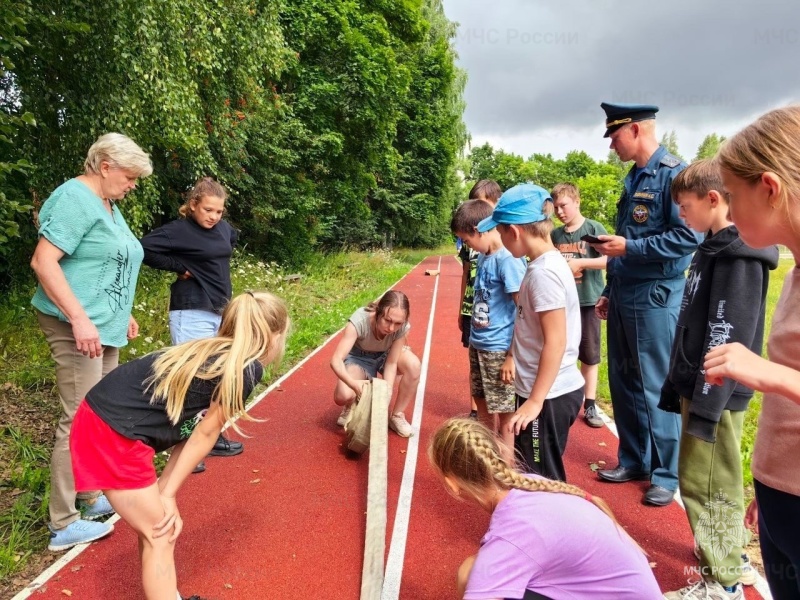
370	362
186	325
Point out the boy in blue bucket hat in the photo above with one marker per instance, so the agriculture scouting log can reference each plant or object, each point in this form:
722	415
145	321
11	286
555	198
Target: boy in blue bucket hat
547	332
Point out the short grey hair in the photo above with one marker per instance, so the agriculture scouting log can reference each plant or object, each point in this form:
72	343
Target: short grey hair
119	150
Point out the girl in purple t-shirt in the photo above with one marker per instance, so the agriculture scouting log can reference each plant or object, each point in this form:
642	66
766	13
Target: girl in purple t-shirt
546	539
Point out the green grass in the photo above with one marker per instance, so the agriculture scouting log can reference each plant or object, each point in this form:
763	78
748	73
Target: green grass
327	292
27	486
751	418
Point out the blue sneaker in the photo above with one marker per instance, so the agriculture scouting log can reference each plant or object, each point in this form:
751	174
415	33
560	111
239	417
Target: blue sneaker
77	532
91	510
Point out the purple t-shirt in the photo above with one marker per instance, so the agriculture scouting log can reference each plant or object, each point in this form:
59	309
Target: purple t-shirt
560	546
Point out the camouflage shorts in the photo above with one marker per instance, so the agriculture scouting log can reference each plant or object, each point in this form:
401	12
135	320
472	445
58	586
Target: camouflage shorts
484	380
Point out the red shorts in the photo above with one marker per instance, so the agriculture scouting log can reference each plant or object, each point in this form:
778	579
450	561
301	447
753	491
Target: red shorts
102	459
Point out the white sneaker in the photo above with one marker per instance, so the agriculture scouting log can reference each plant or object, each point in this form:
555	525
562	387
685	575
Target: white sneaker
705	590
345	414
748	574
398	423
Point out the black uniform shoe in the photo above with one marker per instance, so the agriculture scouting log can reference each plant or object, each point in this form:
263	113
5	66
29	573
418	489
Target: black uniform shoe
620	474
200	467
658	496
226	447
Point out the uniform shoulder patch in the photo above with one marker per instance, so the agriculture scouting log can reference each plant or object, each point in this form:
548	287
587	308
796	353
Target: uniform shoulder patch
670	160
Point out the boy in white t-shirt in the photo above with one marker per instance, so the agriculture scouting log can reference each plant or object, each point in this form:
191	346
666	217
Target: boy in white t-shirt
547	332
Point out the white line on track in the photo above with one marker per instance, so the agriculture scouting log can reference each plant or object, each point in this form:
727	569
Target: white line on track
397	547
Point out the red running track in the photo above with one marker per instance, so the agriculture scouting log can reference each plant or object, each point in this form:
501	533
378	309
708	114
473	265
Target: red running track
285	519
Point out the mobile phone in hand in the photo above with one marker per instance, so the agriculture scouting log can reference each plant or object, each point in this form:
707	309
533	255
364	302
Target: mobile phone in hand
592	239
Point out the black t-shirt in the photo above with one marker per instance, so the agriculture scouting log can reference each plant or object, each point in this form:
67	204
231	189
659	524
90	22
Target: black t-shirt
183	245
123	402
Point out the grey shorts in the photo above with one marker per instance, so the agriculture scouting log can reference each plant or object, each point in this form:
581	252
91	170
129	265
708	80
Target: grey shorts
484	380
369	362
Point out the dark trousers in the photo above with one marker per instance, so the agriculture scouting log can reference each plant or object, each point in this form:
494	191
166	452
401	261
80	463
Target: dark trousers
531	595
779	537
642	316
542	443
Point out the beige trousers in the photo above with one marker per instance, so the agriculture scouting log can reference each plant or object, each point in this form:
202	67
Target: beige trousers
76	374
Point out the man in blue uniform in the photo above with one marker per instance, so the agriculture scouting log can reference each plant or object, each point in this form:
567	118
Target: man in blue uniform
647	260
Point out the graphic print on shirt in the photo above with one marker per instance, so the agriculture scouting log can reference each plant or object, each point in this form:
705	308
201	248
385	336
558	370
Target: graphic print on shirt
720	333
480	309
188	426
572	251
119	292
469	290
692	283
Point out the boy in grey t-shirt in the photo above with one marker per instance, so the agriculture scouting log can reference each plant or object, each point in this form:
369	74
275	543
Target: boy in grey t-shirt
587	266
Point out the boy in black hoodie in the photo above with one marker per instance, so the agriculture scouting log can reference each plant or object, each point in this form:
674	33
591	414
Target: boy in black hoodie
724	302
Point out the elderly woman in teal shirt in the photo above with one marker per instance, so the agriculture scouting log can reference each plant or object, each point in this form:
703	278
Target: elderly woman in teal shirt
87	262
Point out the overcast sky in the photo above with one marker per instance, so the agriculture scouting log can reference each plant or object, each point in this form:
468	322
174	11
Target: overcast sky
538	69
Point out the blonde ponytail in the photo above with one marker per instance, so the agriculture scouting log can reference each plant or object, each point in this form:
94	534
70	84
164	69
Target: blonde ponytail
253	328
204	187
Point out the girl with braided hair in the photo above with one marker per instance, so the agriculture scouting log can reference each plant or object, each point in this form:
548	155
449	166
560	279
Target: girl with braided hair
546	540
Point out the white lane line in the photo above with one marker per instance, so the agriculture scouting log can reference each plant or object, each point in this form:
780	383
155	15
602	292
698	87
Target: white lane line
76	551
397	547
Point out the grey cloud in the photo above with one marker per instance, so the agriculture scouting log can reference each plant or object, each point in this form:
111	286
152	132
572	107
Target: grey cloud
538	64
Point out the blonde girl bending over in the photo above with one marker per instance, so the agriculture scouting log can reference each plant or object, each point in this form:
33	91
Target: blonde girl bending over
546	539
179	397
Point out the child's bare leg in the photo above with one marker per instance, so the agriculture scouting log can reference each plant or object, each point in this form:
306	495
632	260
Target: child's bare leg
142	509
484	416
408	367
506	436
343	395
589	373
463	575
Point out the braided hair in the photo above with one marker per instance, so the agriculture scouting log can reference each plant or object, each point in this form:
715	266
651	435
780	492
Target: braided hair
467	451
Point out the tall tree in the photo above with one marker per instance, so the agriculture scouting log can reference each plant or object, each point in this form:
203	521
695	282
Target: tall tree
670	141
416	195
13	121
709	146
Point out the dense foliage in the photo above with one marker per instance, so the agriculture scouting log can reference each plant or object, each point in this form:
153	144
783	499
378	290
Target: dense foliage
332	124
599	182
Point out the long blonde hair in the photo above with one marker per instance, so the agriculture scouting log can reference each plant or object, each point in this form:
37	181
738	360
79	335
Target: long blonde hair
770	144
252	324
465	450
